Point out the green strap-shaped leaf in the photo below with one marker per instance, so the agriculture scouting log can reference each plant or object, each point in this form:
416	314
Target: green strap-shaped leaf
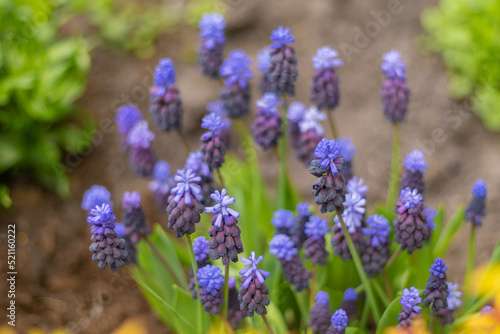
449	231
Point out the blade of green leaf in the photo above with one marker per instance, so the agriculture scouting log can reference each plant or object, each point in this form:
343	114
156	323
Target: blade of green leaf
449	231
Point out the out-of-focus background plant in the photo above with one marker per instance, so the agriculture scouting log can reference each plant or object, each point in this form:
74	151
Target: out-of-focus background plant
43	73
467	34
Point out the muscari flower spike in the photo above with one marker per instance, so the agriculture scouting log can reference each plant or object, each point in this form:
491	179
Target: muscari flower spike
282	72
195	162
349	302
107	247
325	83
267	126
282	247
282	221
409	301
320	315
436	289
328	151
395	92
415	161
310	132
297	231
161	184
375	251
310	120
476	209
454	296
165	73
184	203
415	166
213	142
314	246
225	240
211	280
222	209
339	321
212	27
253	294
353	213
236	69
142	157
96	195
201	249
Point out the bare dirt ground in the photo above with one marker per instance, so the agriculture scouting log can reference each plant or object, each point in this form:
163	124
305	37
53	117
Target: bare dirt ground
59	285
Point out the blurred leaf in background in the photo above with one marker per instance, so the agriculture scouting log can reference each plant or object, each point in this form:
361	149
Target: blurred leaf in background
467	34
41	76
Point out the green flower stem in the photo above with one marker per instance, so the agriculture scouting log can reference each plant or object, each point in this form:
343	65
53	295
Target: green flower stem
269	329
470	262
361	272
226	291
329	112
194	264
393	257
229	329
380	292
392	192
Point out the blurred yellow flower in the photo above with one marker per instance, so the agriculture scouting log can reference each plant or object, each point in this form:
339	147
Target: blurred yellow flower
417	327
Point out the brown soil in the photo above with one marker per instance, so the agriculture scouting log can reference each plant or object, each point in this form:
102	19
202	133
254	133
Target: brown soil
59	286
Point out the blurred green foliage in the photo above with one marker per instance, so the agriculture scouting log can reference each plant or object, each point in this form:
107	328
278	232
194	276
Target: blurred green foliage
41	76
43	73
467	34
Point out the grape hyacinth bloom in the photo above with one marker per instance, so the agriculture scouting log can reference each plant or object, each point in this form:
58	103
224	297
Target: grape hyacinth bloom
347	150
476	209
212	27
413	176
410	226
375	251
282	72
142	157
325	83
165	104
298	229
184	203
225	240
236	92
282	221
263	63
126	117
436	289
454	302
320	315
161	184
253	295
295	114
314	245
311	133
409	301
395	92
217	107
349	302
358	186
200	168
96	195
266	128
213	144
211	280
339	322
283	247
353	216
329	190
107	247
201	251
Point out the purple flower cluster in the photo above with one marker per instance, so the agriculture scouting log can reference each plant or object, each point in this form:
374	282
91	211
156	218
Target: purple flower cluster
106	248
476	209
225	240
314	246
211	280
349	302
282	221
253	295
212	27
266	128
375	250
310	134
134	221
263	63
161	184
320	315
282	72
165	104
325	83
142	157
395	92
184	203
415	166
329	190
338	322
96	195
213	147
298	229
126	117
236	93
436	289
409	301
